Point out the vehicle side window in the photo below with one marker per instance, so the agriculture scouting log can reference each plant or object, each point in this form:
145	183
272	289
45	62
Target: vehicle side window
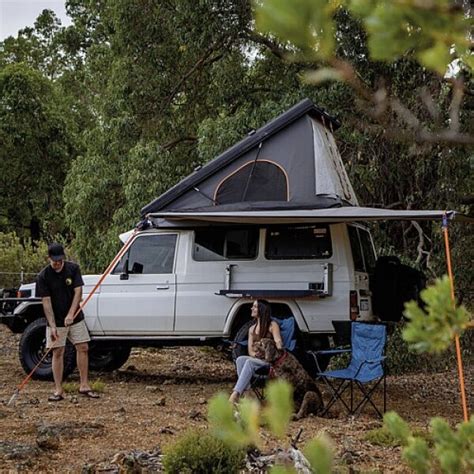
368	250
356	249
225	244
151	254
298	242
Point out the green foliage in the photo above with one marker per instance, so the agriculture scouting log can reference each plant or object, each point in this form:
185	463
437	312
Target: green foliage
433	32
73	387
382	437
16	256
202	453
224	425
452	450
432	329
242	428
37	143
279	409
308	24
319	453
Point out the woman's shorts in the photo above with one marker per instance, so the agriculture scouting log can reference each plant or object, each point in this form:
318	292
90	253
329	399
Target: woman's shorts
77	333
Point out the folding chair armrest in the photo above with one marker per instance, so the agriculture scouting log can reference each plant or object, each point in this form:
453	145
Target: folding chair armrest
379	360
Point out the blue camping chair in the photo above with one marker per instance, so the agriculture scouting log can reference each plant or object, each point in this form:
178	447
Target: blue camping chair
366	367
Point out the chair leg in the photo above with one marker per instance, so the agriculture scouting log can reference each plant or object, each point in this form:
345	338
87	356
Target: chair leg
352	399
336	394
367	398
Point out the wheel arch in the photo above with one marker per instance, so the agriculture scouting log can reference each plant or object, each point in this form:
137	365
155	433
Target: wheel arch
27	312
240	314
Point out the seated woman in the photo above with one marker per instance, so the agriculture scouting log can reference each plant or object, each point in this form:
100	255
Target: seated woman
248	365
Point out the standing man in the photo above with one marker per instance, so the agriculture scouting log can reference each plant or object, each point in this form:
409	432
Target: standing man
59	285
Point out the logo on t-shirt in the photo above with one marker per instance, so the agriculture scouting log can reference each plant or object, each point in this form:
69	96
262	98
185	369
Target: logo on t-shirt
68	281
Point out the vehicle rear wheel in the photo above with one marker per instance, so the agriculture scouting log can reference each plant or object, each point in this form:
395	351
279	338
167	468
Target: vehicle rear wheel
106	357
33	347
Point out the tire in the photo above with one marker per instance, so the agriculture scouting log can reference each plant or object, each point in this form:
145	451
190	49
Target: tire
32	348
106	357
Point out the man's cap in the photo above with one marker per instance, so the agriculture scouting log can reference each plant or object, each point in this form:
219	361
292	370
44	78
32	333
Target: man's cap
55	251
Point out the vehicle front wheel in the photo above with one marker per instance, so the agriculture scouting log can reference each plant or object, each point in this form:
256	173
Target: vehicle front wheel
106	357
33	347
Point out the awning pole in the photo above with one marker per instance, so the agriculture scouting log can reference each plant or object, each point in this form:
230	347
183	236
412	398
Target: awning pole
456	338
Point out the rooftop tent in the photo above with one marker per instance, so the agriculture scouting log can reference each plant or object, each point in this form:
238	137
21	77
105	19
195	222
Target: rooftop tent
291	162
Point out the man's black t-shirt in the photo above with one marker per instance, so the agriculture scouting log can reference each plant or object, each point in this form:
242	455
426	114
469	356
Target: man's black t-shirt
60	287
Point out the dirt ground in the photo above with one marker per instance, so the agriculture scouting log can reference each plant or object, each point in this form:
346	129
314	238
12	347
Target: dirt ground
159	394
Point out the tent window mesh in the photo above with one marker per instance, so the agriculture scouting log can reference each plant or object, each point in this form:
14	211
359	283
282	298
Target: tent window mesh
260	181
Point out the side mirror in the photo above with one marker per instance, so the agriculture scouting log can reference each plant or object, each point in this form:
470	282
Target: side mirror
124	274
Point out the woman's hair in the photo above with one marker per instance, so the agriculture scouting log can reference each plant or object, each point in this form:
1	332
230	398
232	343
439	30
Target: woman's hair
265	316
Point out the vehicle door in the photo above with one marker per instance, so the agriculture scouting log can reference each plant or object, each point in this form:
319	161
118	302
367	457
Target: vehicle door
363	255
139	296
217	258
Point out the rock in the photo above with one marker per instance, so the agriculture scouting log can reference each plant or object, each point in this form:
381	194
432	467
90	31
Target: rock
166	430
74	400
121	411
196	415
48	441
70	429
152	388
12	450
202	401
169	382
135	461
161	402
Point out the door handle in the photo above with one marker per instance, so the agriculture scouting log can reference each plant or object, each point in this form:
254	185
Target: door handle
162	287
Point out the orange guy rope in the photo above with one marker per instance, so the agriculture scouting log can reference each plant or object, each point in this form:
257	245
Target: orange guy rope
458	344
83	303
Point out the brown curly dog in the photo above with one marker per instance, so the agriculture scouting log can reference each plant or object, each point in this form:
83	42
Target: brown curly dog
306	394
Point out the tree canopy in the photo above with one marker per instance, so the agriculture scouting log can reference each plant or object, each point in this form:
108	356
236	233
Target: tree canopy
100	117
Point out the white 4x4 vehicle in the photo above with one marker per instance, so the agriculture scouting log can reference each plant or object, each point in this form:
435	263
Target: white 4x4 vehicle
196	286
272	217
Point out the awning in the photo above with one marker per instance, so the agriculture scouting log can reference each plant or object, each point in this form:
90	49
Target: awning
341	214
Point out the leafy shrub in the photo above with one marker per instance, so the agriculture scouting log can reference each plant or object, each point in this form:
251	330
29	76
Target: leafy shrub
402	360
451	451
199	452
16	257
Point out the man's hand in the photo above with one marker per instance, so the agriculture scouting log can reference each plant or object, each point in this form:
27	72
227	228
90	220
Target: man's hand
54	333
69	320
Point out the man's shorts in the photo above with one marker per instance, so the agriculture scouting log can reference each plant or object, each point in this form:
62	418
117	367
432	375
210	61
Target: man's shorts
76	333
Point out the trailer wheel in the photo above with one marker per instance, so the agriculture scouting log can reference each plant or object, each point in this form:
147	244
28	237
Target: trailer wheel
32	348
104	357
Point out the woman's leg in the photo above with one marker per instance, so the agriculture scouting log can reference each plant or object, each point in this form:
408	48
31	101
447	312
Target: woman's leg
245	370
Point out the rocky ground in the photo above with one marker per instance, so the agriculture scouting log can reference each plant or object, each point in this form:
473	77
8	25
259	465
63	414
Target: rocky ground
159	394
